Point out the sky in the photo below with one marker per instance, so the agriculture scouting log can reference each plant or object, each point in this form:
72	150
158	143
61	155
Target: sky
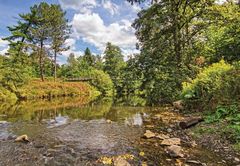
94	23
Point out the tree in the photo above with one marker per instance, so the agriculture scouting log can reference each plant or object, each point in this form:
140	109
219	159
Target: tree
167	32
88	57
43	26
221	38
114	65
59	32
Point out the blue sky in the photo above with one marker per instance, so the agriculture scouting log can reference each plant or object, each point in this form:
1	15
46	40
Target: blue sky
94	23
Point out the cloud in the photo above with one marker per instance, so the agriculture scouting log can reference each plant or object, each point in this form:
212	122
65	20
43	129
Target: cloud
112	8
3	46
91	29
82	6
134	8
71	43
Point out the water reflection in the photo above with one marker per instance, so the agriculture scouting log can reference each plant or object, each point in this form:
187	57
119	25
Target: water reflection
57	121
60	111
135	120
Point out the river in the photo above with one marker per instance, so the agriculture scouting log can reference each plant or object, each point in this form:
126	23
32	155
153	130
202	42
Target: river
72	131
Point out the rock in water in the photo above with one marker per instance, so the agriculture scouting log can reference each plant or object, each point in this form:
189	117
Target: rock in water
22	138
149	134
120	161
175	151
171	141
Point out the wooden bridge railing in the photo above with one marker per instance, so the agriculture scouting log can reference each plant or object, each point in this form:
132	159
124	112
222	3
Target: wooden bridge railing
79	79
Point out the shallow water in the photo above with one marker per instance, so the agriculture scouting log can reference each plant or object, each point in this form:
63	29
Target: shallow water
87	130
72	131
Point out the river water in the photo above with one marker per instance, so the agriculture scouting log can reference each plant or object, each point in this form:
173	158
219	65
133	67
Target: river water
72	131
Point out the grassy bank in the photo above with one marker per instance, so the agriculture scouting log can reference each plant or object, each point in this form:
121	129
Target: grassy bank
36	89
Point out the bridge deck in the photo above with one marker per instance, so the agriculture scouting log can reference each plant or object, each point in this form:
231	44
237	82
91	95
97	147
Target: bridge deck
78	79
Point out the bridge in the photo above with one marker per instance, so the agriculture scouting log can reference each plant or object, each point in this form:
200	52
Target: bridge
78	79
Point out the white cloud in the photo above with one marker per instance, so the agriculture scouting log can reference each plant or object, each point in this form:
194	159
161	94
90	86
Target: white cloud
112	8
3	46
4	51
3	43
91	29
135	8
71	43
83	6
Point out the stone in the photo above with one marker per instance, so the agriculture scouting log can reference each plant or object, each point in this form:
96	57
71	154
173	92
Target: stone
162	136
171	141
150	126
22	138
120	161
169	130
148	134
237	159
178	105
175	151
193	162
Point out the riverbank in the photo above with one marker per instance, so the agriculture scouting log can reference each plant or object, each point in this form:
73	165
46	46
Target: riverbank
36	89
198	145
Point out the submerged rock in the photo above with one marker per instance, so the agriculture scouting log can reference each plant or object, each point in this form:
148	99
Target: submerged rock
149	134
171	141
175	151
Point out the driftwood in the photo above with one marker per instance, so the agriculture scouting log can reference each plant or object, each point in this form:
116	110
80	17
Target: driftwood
189	122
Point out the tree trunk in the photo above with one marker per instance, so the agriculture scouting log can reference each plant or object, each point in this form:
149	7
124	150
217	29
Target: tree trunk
55	65
41	61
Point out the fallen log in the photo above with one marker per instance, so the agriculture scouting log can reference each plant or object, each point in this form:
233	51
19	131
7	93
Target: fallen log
187	123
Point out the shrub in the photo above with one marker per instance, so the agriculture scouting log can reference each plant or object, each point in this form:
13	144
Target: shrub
49	89
214	85
102	82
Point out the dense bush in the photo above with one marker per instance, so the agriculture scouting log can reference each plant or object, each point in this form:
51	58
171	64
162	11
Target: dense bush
214	85
100	80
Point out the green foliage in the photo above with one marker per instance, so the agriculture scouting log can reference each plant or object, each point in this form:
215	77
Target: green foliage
229	113
81	68
216	84
114	65
44	25
88	57
222	36
101	81
231	116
